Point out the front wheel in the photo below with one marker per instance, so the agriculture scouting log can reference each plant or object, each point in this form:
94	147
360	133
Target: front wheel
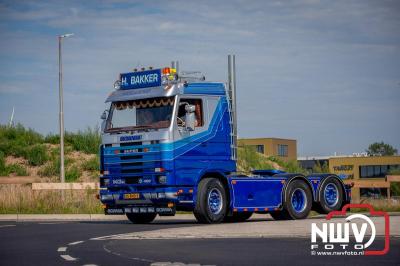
141	218
211	201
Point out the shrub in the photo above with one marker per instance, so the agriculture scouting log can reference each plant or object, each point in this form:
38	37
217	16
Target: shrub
91	164
318	168
17	169
87	141
14	140
249	159
72	174
2	164
5	170
52	168
36	155
52	139
291	166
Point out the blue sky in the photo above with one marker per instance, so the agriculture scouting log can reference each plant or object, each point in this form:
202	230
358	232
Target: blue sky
326	73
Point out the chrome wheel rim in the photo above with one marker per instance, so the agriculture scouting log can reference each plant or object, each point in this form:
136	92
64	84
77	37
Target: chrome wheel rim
215	201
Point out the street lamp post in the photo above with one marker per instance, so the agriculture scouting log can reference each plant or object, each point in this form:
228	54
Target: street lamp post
61	100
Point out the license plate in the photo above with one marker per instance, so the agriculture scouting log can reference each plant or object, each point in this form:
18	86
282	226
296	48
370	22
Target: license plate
132	196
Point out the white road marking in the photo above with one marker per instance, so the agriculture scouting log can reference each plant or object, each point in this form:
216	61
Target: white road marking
62	249
7	225
75	243
68	257
175	264
89	265
54	223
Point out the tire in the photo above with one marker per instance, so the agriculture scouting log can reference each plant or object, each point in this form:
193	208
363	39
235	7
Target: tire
211	201
298	202
238	217
141	218
330	196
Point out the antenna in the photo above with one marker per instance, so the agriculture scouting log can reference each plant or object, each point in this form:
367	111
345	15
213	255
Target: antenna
11	118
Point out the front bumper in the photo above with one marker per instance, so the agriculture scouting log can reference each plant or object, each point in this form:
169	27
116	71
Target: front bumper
165	211
163	201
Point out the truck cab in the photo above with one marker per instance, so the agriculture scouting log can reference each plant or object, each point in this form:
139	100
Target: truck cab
169	143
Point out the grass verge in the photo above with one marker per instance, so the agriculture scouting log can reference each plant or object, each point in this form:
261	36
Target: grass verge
21	199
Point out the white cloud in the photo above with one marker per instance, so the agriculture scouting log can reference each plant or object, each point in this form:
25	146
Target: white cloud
301	62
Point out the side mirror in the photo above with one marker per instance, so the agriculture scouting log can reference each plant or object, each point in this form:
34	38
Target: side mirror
104	116
190	118
103	123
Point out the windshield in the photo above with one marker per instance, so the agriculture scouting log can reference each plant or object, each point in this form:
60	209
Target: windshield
145	113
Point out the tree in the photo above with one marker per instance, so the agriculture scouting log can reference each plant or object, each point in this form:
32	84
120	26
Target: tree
321	168
381	149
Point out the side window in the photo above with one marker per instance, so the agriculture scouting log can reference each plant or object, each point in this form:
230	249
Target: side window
198	104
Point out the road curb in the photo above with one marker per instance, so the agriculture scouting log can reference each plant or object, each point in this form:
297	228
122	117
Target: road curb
80	217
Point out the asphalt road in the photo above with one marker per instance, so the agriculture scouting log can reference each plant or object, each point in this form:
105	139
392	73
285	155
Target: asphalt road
90	243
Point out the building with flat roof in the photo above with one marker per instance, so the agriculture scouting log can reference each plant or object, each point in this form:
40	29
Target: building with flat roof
285	149
368	173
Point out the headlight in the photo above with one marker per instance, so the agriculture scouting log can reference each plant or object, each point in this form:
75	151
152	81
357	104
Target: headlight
106	197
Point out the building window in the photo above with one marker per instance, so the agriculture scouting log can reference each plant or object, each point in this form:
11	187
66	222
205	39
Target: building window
373	192
372	171
282	150
260	149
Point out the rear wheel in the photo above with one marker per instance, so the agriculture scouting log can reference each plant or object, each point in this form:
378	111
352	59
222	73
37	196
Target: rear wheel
298	202
330	195
141	218
238	217
211	201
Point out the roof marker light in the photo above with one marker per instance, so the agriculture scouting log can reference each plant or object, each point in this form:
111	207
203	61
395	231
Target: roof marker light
166	70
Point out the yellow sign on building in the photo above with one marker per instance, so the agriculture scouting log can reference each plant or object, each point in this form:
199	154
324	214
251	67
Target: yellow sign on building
368	173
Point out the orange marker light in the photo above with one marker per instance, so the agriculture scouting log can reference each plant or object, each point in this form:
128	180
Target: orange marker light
256	209
190	190
245	209
235	210
170	205
233	182
166	70
265	209
283	181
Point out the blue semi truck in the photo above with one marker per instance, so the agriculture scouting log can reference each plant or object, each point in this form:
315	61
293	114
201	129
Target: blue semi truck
169	143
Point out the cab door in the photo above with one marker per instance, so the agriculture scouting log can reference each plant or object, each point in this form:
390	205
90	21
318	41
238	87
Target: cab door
190	147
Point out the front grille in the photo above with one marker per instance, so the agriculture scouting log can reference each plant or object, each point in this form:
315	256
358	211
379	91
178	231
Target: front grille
131	171
131	157
132	161
126	144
